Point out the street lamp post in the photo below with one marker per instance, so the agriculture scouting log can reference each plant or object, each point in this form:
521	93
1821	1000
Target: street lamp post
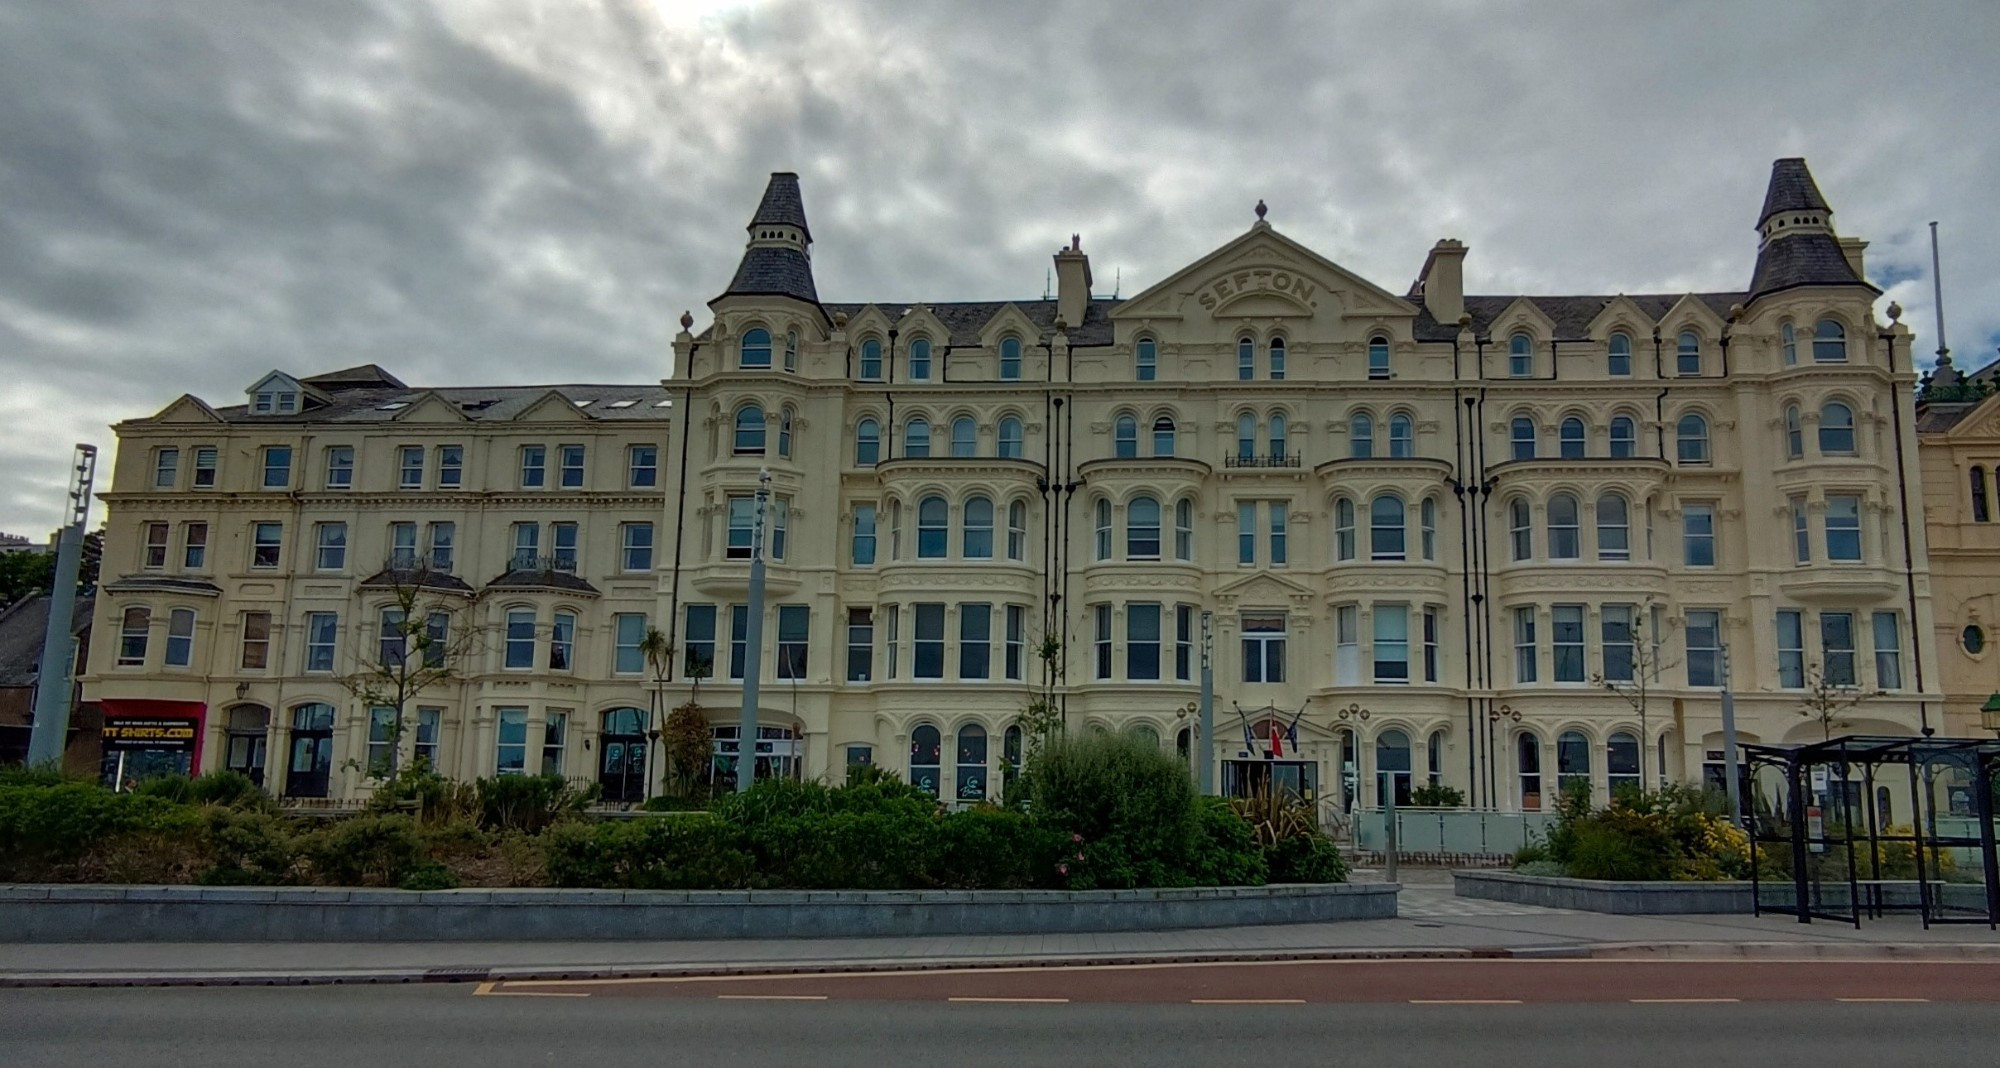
1206	749
753	644
1733	787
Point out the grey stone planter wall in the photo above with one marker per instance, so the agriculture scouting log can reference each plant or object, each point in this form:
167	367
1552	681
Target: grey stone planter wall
1595	895
313	914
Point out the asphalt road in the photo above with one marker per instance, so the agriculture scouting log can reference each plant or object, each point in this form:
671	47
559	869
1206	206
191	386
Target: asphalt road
1493	1013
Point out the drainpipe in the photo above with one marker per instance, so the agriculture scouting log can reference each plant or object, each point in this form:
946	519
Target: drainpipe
680	527
1909	550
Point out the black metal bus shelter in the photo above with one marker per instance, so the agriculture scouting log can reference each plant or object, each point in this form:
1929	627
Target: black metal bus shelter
1833	838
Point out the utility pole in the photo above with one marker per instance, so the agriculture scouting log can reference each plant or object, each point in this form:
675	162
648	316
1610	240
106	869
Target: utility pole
1729	768
1206	724
753	644
53	684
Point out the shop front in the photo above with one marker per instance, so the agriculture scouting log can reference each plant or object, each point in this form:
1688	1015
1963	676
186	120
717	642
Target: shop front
144	739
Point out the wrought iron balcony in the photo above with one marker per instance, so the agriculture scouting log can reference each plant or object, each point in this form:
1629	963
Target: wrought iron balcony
1275	459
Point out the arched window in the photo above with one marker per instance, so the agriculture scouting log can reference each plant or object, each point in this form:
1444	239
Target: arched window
1428	525
964	437
1392	768
1836	429
1691	439
1528	764
1125	437
1378	357
1624	437
1277	359
1386	518
1017	531
1343	529
920	360
749	431
791	350
785	433
1687	354
867	443
1103	529
1246	359
1788	339
1572	762
1570	434
755	349
1010	358
1142	529
1520	356
871	360
933	528
971	763
917	437
1521	432
1148	359
1619	363
1276	427
926	756
1621	763
977	542
1361	435
1520	529
1614	528
1980	513
1565	539
132	633
1184	529
1402	437
1795	437
1246	436
1163	436
1010	438
1434	758
1829	342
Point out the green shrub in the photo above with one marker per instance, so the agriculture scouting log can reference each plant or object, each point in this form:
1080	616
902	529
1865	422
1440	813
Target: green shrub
64	830
673	853
1132	806
248	848
529	803
45	774
1439	796
428	875
366	850
1534	851
992	848
1228	854
230	788
1306	858
674	803
423	793
173	788
1541	867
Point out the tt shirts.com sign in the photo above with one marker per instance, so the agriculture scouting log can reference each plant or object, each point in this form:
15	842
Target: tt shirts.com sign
133	733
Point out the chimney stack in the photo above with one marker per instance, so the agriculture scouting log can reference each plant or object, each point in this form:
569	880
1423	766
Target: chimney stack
1072	283
1443	280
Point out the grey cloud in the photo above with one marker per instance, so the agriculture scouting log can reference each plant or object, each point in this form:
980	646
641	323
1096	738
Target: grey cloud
467	191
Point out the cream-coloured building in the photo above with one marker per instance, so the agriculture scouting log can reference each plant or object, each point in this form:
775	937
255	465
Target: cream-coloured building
1958	428
251	551
1422	526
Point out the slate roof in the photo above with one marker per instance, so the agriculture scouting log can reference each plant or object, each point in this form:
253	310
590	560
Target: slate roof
965	320
774	272
1572	315
1792	189
1936	418
364	375
430	580
162	583
366	404
1808	259
23	626
782	204
540	579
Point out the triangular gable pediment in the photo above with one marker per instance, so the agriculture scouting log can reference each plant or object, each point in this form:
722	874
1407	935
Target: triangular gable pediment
428	407
920	321
1522	314
1690	311
1262	273
869	320
1010	319
1621	312
1264	589
188	409
552	407
1981	424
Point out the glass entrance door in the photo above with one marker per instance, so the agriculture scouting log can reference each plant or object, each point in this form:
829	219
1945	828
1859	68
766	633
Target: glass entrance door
310	770
621	774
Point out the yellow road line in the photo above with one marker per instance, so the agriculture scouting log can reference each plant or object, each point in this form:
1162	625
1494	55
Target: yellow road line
1246	1001
1013	1001
491	990
1465	1001
770	997
1685	1001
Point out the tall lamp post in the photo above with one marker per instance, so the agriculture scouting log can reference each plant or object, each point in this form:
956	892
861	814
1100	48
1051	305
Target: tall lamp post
1989	713
1206	724
53	685
753	644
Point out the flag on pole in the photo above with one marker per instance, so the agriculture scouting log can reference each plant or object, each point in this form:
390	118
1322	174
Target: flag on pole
1277	739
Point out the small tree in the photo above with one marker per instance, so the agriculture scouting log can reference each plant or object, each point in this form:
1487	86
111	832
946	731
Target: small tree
1637	690
659	653
1827	702
1042	720
427	634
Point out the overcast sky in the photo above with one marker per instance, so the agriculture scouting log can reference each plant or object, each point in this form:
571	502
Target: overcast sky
517	191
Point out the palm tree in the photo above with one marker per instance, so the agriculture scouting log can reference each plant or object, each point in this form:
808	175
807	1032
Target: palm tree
659	653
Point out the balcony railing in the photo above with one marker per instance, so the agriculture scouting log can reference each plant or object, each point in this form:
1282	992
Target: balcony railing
524	561
1275	459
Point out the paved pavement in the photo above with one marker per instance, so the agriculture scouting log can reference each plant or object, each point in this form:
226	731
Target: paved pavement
1432	923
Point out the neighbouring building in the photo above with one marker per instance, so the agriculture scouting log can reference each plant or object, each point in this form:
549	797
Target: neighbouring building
257	555
1422	527
1958	430
23	630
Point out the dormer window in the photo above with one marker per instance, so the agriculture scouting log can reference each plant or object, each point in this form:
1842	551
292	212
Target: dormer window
266	403
288	403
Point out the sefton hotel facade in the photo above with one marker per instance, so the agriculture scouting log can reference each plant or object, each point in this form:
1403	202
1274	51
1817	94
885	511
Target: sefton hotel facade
1423	526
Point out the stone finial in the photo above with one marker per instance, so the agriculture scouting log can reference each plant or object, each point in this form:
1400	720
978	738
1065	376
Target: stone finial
1735	312
840	320
1895	312
687	320
1261	209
